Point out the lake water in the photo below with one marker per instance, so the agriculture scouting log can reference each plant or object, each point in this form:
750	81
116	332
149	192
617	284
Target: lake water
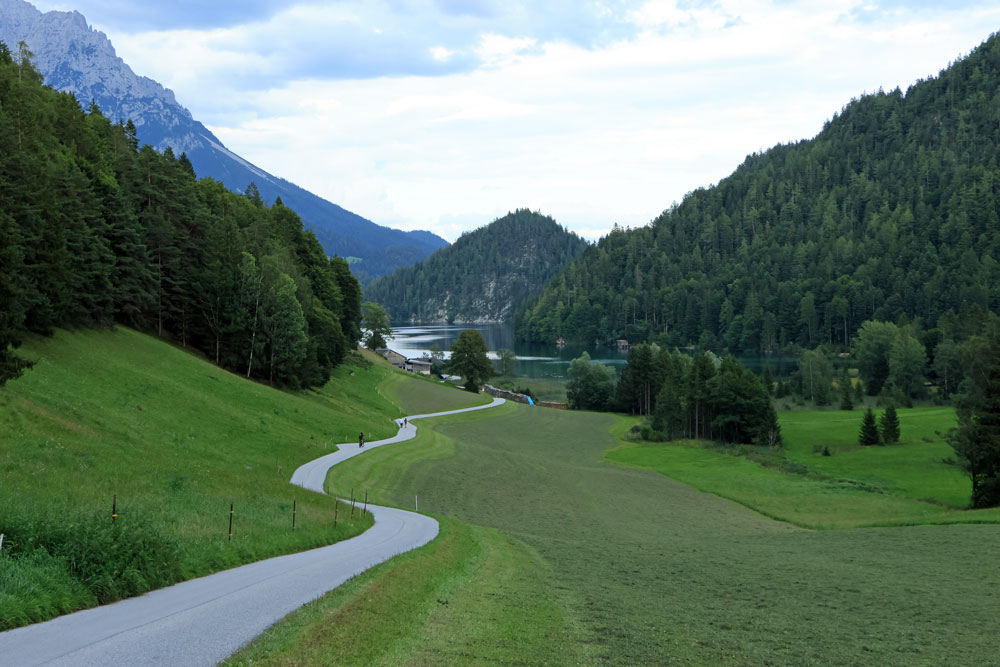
535	360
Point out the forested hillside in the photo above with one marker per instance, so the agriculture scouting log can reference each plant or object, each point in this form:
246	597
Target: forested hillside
890	213
484	276
74	58
96	230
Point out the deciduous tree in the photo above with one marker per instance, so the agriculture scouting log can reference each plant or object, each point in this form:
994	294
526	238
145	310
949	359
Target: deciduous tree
469	359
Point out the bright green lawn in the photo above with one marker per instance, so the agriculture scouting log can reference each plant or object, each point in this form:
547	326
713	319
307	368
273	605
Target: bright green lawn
645	570
854	487
176	439
914	467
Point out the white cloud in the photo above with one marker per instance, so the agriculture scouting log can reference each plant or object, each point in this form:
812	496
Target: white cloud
590	134
441	53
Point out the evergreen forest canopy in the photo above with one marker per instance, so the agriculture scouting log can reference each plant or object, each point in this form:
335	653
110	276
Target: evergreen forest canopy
95	230
890	213
484	276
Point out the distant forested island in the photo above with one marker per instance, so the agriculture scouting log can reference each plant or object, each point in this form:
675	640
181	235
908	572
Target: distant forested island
95	230
484	276
890	213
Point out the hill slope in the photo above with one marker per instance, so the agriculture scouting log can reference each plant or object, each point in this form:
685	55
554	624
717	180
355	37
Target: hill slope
77	59
484	276
890	211
174	439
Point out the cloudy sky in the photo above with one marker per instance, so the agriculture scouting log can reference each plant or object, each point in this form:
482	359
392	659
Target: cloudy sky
446	114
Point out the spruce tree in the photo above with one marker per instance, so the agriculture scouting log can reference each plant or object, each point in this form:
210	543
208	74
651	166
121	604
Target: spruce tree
890	426
976	441
869	430
846	398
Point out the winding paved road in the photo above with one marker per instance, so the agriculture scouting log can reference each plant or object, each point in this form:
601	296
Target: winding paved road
203	621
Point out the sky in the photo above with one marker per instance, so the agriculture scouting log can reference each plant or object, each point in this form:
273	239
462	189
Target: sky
446	114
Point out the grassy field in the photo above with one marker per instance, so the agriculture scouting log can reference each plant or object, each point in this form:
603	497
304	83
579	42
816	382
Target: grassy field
549	552
421	395
901	484
542	388
176	439
642	569
468	594
914	467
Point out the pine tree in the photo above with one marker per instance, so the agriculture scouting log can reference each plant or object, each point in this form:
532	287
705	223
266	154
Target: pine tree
889	425
976	441
869	430
846	395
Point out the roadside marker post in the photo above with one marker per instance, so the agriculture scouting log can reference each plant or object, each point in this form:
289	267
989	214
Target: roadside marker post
230	520
336	510
114	507
293	513
365	510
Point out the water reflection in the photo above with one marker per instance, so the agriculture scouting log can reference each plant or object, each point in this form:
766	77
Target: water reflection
533	360
536	360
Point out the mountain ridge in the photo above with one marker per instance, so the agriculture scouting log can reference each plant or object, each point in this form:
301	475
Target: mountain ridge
482	277
889	213
75	58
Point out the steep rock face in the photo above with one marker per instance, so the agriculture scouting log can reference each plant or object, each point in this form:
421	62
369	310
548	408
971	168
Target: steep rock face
75	58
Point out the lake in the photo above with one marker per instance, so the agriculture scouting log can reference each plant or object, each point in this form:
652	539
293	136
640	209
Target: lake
536	360
533	360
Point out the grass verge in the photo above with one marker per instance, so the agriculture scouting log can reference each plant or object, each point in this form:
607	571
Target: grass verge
466	598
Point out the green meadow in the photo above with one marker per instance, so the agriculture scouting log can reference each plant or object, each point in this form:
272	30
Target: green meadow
918	466
619	564
176	440
901	484
561	541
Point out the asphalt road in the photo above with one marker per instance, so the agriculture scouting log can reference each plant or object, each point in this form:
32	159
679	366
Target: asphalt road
203	621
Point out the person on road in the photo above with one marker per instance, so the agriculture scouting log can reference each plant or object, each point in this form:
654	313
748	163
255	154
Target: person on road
361	439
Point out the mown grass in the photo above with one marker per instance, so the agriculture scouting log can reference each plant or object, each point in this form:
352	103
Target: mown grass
542	388
466	598
176	439
915	467
903	484
423	395
647	570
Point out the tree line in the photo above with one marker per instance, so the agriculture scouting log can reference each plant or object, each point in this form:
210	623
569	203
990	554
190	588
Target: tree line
96	230
890	213
684	396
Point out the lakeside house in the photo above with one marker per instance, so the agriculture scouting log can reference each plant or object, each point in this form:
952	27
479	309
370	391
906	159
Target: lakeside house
422	366
393	357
